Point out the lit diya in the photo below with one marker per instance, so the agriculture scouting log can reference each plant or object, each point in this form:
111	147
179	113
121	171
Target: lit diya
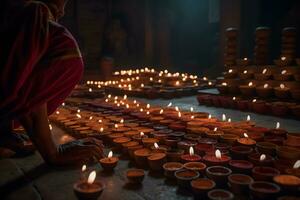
110	162
265	75
149	142
216	134
159	148
282	92
284	75
191	157
261	159
222	88
248	90
295	171
246	75
174	155
217	159
216	194
139	137
88	189
246	141
241	152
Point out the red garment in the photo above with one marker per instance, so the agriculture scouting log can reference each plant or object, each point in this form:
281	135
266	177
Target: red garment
39	62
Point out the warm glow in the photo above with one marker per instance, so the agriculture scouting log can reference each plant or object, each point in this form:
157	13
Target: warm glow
177	83
283	72
229	120
224	84
297	164
116	126
283	58
230	71
63	104
277	125
170	104
122	121
224	117
57	112
90	89
110	154
245	71
191	150
161	111
176	108
262	157
100	120
245	58
156	145
266	85
179	114
192	109
192	117
250	84
215	129
92	177
218	154
142	85
50	127
91	117
246	135
233	98
147	112
209	116
83	168
248	118
264	71
148	106
204	78
254	100
101	129
125	96
282	86
78	115
142	134
209	83
78	111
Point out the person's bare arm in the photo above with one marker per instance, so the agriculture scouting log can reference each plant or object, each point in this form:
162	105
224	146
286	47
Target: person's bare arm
79	151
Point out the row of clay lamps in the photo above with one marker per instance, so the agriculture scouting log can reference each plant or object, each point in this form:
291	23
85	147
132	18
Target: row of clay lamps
261	49
288	42
277	108
230	53
205	147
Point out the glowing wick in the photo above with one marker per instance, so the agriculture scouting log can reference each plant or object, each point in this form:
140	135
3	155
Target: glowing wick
223	117
266	85
283	72
262	157
209	116
264	71
192	109
248	118
218	154
297	164
110	154
170	104
277	125
282	86
161	111
250	84
245	71
156	145
191	150
215	129
92	177
83	168
246	135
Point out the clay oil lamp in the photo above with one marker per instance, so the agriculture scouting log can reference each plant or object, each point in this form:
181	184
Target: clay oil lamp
132	149
265	75
266	148
241	152
89	189
149	142
170	168
159	148
279	109
120	141
128	145
261	159
283	61
295	171
186	144
185	176
139	137
109	163
177	134
215	134
161	135
248	90
283	76
282	92
229	138
246	75
216	194
239	183
246	141
242	105
233	102
259	106
230	74
191	157
241	166
135	176
277	131
113	136
277	140
217	159
174	155
295	94
264	173
243	61
202	148
218	174
141	156
172	141
196	166
288	183
201	186
191	137
264	91
156	161
293	139
257	136
222	88
130	134
264	190
288	153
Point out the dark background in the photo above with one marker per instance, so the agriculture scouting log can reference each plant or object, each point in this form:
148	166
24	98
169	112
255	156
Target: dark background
183	35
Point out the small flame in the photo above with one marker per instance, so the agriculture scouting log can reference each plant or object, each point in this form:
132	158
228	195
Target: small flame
148	106
161	111
218	154
262	157
215	129
224	84
230	71
50	127
205	78
177	83
100	120
156	145
57	112
297	164
101	129
90	89
116	126
209	83
170	104
250	84
78	111
134	101
246	135
245	71
191	150
63	104
106	100
223	117
147	112
229	120
283	58
233	98
122	121
282	86
254	100
176	108
110	154
142	134
179	114
283	72
78	115
92	177
245	58
266	85
248	118
83	168
264	71
209	116
277	125
125	97
192	109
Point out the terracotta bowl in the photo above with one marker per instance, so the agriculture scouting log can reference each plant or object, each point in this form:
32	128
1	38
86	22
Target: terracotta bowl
289	153
201	186
174	155
279	109
288	183
282	94
282	77
239	183
266	148
262	190
229	138
217	194
184	177
246	76
241	152
247	91
262	77
264	92
218	174
282	63
170	168
241	166
135	176
196	166
264	173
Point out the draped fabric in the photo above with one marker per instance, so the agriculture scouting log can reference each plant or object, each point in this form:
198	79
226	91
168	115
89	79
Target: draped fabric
39	62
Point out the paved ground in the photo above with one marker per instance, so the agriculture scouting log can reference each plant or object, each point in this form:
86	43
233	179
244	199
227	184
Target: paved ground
29	178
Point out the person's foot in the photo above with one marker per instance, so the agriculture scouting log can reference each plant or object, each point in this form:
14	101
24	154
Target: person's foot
17	142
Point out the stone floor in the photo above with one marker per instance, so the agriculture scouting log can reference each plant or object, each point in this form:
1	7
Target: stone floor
29	178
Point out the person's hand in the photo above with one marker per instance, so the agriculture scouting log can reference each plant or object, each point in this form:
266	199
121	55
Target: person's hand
79	151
